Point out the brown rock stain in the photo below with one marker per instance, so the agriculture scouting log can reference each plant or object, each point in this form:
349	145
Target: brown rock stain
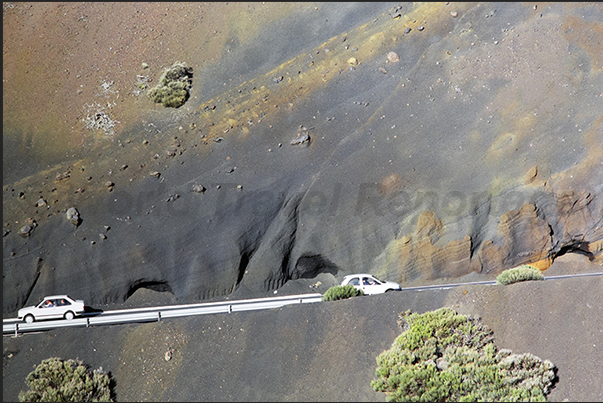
577	29
418	258
531	175
390	184
525	237
301	80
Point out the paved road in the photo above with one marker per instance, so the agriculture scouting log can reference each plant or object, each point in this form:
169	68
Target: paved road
152	314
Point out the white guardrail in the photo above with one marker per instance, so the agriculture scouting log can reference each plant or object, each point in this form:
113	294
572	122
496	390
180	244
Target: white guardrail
15	326
152	314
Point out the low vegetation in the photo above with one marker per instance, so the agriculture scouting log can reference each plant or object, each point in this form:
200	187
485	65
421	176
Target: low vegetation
341	292
174	85
58	380
524	272
444	356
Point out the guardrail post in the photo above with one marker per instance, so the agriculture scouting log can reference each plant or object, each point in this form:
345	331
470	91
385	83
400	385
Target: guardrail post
158	316
229	308
16	329
87	322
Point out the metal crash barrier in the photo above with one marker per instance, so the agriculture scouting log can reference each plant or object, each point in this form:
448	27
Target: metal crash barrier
152	314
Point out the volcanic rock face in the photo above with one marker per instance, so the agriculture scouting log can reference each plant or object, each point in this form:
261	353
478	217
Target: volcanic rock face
479	150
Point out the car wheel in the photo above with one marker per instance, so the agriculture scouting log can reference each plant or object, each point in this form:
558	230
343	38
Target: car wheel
69	315
29	319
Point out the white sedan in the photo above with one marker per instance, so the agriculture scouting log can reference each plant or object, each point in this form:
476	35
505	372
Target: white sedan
370	284
52	307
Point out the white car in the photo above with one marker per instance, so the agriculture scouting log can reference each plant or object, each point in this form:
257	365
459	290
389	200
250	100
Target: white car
52	307
370	284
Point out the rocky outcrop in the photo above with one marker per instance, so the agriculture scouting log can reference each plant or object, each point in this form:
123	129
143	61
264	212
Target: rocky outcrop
523	236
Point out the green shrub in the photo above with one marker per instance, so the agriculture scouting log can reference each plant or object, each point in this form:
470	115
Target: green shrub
444	356
174	84
57	380
521	273
341	292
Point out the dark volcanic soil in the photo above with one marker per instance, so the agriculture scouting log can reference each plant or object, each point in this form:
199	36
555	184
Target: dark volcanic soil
468	154
477	150
324	351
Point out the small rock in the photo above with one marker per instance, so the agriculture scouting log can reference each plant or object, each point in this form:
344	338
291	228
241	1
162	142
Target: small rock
123	167
172	197
393	57
239	187
62	175
382	70
102	236
109	184
155	174
396	12
454	14
144	65
421	28
352	61
407	30
73	215
41	202
300	139
532	174
198	188
168	355
25	230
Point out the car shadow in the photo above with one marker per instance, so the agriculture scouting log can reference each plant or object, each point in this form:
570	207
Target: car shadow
90	311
